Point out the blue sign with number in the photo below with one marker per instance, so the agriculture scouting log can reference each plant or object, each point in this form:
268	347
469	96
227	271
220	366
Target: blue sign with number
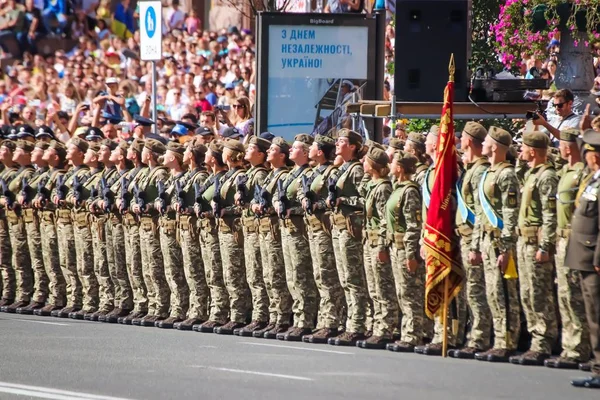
150	22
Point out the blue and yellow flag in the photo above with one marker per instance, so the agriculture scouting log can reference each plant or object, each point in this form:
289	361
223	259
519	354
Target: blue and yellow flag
123	24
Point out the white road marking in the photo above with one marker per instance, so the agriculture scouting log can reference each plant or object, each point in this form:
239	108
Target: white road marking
243	371
49	393
296	348
39	322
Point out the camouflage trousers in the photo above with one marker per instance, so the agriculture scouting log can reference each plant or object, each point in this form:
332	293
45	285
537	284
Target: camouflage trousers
20	259
193	268
106	291
84	250
211	255
173	261
382	290
410	289
575	331
231	243
254	271
153	268
6	269
348	252
57	288
133	255
271	253
501	292
117	262
299	271
479	336
537	296
68	260
590	288
34	242
332	304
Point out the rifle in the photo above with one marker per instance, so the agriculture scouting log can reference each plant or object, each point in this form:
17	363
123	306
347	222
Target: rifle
332	191
107	195
77	186
7	193
180	195
61	188
217	199
160	186
42	191
124	195
140	197
310	196
284	202
24	189
241	188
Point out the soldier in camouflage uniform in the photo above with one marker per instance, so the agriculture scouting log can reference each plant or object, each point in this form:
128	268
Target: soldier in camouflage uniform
55	156
404	224
32	226
271	248
193	265
479	337
6	268
535	249
131	227
78	197
377	251
209	241
575	331
16	225
347	205
296	251
152	259
415	146
256	155
231	240
332	304
171	250
395	145
495	227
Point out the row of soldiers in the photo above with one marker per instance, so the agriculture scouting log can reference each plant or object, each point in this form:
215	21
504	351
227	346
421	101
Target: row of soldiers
318	240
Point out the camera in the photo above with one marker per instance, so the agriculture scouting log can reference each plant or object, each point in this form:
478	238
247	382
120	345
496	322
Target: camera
533	115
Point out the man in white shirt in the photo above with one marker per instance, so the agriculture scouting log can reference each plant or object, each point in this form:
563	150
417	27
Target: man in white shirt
565	117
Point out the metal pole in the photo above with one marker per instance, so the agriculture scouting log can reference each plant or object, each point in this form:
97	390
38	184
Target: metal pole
154	115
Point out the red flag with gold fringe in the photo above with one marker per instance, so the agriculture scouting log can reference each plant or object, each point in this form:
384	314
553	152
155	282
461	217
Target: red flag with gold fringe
441	241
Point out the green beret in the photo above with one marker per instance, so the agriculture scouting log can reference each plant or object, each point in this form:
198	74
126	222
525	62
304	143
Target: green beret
418	139
94	146
284	146
137	145
216	146
396	143
500	135
591	140
235	145
109	143
155	146
434	130
569	135
10	144
475	130
198	149
25	145
378	156
123	145
325	141
304	138
536	140
59	148
175	148
81	144
42	145
262	144
353	137
371	144
407	160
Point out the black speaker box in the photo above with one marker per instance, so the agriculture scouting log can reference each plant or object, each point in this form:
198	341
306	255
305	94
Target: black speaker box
427	32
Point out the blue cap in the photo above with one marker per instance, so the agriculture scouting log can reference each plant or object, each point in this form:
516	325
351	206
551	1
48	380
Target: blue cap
267	136
221	39
553	42
179	130
143	120
189	126
229	86
204	131
112	118
44	132
24	131
231	133
12	135
93	133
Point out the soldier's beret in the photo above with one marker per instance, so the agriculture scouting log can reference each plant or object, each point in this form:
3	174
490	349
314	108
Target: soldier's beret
475	130
434	130
234	144
418	139
25	145
284	146
407	160
94	133
216	146
396	143
353	137
325	141
262	144
175	147
81	144
94	146
304	138
25	131
44	131
569	135
371	144
123	145
535	139
137	145
500	135
109	143
59	148
10	144
42	145
155	146
378	156
591	140
198	149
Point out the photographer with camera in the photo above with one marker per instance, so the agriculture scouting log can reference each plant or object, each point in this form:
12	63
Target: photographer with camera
565	117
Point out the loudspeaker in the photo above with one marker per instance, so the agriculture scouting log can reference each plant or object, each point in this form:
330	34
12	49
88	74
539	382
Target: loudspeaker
427	32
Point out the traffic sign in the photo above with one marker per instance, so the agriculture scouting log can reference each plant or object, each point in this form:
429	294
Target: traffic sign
151	30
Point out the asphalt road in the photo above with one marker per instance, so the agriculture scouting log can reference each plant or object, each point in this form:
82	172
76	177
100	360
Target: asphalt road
65	360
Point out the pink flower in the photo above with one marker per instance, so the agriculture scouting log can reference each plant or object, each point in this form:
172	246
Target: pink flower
576	43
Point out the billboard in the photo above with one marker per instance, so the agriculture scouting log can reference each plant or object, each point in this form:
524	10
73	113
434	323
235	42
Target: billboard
310	66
